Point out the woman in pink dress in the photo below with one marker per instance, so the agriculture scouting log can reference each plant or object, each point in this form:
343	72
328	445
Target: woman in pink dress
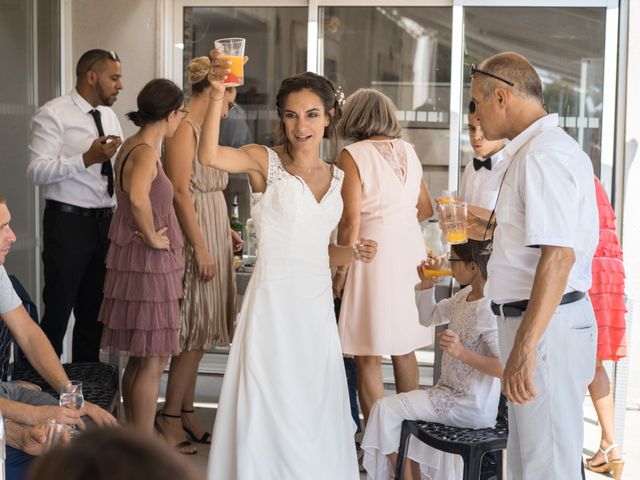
143	286
384	198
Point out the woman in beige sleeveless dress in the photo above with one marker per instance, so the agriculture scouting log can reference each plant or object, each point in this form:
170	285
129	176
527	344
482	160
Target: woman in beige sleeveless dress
385	198
208	309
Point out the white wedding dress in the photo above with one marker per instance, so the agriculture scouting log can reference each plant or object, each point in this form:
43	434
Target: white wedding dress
284	407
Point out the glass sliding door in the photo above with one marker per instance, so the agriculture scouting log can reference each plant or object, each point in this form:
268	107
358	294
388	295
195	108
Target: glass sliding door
405	52
276	44
567	48
29	43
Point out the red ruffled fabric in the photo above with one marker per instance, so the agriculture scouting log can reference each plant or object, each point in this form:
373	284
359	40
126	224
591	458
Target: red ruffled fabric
607	290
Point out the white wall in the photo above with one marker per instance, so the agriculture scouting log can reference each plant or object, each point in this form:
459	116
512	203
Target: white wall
129	27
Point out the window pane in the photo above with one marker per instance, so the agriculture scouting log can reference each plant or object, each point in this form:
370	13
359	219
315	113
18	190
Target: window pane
406	54
276	46
17	106
566	45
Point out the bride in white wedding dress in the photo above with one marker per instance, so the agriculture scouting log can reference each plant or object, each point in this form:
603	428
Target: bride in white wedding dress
284	409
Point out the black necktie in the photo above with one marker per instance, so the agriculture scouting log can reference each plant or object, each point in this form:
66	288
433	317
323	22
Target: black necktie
107	169
478	164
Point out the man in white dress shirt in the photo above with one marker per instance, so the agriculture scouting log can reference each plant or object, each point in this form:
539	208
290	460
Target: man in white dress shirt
482	176
74	139
539	269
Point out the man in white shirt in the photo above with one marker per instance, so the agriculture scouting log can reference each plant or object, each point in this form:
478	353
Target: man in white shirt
74	139
540	267
25	411
482	176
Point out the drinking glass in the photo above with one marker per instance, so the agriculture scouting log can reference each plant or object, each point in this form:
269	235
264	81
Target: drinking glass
71	397
232	49
56	432
454	217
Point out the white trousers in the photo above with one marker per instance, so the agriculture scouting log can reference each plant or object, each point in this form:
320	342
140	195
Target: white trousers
546	434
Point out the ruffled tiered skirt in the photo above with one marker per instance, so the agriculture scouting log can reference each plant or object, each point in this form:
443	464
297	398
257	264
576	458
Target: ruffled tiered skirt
607	289
142	292
607	298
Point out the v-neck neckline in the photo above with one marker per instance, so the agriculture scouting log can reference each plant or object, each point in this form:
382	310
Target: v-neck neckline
306	185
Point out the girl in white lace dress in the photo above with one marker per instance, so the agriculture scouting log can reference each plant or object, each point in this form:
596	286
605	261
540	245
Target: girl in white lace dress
284	412
468	391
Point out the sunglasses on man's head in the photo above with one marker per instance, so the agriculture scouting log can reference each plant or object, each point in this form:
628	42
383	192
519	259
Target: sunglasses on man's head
473	69
111	55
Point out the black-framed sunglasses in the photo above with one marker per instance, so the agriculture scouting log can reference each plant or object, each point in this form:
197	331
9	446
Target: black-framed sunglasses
184	112
452	259
473	69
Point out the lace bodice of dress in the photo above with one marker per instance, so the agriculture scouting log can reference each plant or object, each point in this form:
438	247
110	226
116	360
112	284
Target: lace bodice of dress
457	377
395	156
290	224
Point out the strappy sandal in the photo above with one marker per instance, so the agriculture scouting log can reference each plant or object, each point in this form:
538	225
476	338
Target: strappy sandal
614	467
206	436
178	446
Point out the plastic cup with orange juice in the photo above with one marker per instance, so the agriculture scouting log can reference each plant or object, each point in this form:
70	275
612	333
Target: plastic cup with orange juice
454	217
232	49
439	272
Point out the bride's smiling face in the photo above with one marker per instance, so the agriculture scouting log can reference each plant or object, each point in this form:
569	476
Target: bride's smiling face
304	120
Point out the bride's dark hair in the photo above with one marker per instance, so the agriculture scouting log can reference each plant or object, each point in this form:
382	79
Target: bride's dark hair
324	89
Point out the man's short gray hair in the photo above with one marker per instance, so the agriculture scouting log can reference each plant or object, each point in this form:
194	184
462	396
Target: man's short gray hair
513	67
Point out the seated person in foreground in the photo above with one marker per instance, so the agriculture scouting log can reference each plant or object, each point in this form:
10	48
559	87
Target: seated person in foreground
468	392
23	408
111	454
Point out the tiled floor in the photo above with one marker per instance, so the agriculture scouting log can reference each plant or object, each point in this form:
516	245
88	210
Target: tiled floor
209	387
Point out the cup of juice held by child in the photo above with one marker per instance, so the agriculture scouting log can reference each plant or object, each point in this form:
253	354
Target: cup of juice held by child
454	218
440	272
232	49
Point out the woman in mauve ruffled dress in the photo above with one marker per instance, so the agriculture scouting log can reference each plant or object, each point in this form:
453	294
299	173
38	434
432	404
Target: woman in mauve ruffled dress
143	286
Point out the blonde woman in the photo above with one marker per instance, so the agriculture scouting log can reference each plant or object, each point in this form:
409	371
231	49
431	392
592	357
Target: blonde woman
384	198
208	308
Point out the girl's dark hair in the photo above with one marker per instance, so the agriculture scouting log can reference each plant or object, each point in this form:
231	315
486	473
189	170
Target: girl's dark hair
472	252
156	101
327	93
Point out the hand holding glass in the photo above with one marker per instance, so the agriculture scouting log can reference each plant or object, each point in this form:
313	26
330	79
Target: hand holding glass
232	49
71	397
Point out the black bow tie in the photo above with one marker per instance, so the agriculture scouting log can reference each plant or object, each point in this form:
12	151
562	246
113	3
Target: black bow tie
478	164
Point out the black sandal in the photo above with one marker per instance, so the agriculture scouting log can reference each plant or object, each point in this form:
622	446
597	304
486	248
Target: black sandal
206	436
178	446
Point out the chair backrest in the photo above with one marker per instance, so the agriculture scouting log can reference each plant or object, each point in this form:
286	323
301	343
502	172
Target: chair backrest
503	413
6	353
18	358
27	302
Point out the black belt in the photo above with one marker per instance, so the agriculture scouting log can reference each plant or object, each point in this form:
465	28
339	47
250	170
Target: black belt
516	309
84	212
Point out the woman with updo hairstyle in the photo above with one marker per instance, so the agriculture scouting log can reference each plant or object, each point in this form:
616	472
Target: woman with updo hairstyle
385	198
208	307
143	285
284	407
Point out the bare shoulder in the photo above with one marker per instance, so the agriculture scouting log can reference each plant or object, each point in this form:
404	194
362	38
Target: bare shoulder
138	156
346	159
258	154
